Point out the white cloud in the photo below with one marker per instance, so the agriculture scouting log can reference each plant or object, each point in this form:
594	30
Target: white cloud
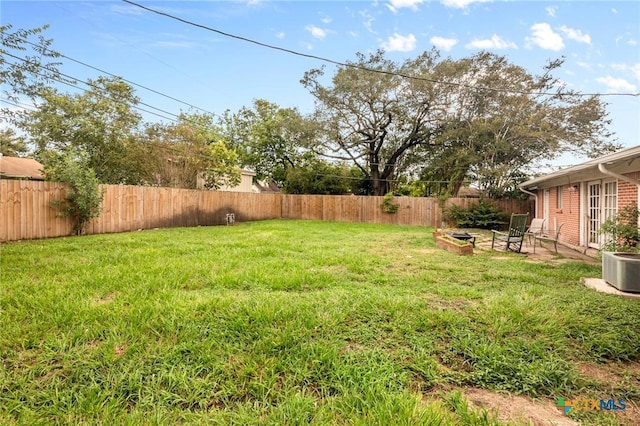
461	4
174	44
280	35
368	20
126	9
632	42
400	43
614	10
576	35
617	84
495	42
543	36
316	32
443	43
551	11
633	69
394	5
326	20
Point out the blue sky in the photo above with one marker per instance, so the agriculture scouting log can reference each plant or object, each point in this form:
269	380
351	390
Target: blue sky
599	39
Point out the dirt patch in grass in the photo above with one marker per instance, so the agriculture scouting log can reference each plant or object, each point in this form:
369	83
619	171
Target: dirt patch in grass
425	251
119	350
107	298
510	409
601	373
518	409
608	374
455	304
352	346
501	258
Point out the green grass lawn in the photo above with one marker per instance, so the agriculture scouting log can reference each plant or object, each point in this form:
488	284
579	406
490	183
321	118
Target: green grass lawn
297	322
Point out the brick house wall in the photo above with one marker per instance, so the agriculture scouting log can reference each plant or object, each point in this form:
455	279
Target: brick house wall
568	195
569	211
627	192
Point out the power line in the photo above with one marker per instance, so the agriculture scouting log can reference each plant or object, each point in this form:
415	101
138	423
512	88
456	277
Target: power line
23	106
355	66
58	54
102	96
77	80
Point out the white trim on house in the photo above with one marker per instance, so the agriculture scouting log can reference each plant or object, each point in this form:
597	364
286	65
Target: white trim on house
627	160
598	184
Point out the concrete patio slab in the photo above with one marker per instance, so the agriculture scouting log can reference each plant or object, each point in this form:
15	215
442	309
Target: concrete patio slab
601	285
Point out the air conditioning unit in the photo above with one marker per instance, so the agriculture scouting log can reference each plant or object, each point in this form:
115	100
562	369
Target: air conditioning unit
622	270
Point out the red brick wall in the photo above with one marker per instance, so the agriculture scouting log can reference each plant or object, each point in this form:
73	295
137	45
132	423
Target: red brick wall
628	192
569	214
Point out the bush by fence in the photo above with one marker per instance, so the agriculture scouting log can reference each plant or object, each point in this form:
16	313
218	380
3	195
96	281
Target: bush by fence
26	213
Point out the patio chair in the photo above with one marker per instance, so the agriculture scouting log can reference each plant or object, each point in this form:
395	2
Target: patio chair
552	236
535	228
512	240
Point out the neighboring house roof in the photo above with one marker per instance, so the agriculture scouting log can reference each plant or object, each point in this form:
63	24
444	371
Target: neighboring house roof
469	192
625	161
20	168
262	187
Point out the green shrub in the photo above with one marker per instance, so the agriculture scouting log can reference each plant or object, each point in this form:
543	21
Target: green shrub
483	215
622	231
84	197
388	206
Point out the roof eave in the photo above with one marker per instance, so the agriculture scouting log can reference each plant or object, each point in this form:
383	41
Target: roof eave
621	162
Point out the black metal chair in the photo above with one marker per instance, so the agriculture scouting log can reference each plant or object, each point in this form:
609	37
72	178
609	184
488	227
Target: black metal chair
511	240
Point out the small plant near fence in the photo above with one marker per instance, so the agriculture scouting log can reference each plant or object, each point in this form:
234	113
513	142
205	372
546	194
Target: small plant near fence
622	232
482	215
388	205
84	197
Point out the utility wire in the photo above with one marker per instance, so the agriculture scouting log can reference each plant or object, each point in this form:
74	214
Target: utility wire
60	55
77	80
355	66
23	106
102	96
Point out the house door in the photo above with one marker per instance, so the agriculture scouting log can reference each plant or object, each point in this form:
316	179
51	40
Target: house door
593	214
602	198
545	209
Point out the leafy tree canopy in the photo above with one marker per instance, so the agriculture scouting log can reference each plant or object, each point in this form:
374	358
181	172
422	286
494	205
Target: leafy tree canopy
27	66
100	122
11	144
191	149
269	139
478	118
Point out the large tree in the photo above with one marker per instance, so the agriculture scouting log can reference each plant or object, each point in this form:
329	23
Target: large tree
101	122
269	139
374	118
11	144
503	121
190	150
471	118
27	66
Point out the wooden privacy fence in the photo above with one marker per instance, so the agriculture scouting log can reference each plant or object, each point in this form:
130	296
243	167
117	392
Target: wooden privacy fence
26	213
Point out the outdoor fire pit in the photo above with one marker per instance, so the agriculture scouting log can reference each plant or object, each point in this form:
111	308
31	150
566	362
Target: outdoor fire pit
464	236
